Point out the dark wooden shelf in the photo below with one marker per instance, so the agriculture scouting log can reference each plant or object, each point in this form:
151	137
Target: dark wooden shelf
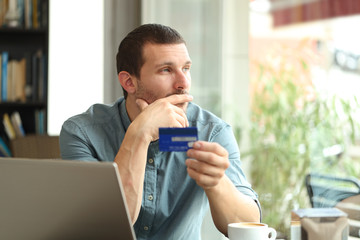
26	31
22	105
21	40
32	45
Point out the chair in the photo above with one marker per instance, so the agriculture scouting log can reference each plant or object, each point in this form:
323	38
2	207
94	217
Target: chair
36	146
326	191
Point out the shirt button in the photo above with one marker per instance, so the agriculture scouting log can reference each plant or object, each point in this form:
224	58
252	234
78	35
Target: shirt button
150	197
146	228
151	161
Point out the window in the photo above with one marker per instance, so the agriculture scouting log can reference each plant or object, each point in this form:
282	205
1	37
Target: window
305	74
199	22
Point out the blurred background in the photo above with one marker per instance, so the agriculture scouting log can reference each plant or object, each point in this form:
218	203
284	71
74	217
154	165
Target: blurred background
284	73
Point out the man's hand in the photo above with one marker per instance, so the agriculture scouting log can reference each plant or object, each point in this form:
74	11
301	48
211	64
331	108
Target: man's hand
164	112
207	163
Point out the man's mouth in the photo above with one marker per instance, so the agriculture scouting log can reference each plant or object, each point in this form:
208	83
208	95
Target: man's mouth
178	93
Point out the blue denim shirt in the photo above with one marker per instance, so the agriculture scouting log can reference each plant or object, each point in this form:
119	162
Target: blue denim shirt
173	205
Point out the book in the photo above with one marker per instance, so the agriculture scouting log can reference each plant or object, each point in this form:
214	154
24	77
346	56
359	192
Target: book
42	78
35	74
9	129
0	72
21	81
28	76
35	20
18	81
4	75
4	135
39	122
3	9
44	14
21	6
9	81
17	124
28	13
4	149
1	153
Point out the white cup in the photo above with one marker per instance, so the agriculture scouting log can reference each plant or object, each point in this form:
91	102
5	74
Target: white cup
250	231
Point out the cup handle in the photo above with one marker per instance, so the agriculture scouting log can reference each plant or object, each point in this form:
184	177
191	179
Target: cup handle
272	233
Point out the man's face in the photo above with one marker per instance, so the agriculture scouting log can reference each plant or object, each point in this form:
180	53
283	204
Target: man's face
166	71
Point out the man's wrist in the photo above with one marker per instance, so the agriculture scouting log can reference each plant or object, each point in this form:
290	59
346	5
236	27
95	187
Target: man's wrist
218	189
140	133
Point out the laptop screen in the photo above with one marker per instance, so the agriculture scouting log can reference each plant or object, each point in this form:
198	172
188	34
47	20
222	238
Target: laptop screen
58	199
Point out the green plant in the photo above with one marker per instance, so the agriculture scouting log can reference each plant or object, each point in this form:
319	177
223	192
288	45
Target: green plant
291	125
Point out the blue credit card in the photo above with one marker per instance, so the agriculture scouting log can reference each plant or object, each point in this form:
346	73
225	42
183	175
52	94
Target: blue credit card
177	139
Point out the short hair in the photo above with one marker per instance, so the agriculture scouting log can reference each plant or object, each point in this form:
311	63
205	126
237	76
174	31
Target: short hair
130	52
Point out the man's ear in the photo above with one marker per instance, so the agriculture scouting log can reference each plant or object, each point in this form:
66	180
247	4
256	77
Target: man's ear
127	81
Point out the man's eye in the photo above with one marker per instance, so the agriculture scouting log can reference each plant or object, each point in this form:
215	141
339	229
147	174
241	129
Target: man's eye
165	70
186	69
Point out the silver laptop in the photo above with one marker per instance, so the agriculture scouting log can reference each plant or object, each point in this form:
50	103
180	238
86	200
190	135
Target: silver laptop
58	199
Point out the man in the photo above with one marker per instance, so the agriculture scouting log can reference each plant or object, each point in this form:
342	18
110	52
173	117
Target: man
167	193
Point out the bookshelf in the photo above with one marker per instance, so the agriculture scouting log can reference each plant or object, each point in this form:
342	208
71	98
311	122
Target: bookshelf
24	44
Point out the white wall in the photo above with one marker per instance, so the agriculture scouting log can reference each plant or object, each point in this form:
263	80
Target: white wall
76	70
120	18
235	69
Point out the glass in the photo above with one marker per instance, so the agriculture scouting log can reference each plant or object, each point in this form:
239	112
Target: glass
305	71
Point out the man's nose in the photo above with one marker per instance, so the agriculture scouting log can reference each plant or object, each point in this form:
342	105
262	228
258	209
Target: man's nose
182	80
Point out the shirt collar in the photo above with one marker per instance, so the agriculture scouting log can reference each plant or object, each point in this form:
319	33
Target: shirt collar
123	114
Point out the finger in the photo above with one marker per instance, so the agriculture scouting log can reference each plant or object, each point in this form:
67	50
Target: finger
181	121
182	118
204	168
179	98
142	104
209	158
202	180
210	147
177	120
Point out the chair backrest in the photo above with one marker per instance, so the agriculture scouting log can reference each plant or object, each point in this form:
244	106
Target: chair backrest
327	190
36	146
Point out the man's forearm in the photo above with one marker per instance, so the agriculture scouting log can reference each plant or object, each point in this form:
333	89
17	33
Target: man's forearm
131	161
229	205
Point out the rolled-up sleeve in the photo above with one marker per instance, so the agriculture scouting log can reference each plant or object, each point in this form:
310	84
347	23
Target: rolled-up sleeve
74	144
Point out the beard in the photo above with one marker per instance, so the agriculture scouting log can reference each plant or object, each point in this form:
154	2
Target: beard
150	96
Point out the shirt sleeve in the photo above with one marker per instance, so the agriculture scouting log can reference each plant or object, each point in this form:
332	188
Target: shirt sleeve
74	143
